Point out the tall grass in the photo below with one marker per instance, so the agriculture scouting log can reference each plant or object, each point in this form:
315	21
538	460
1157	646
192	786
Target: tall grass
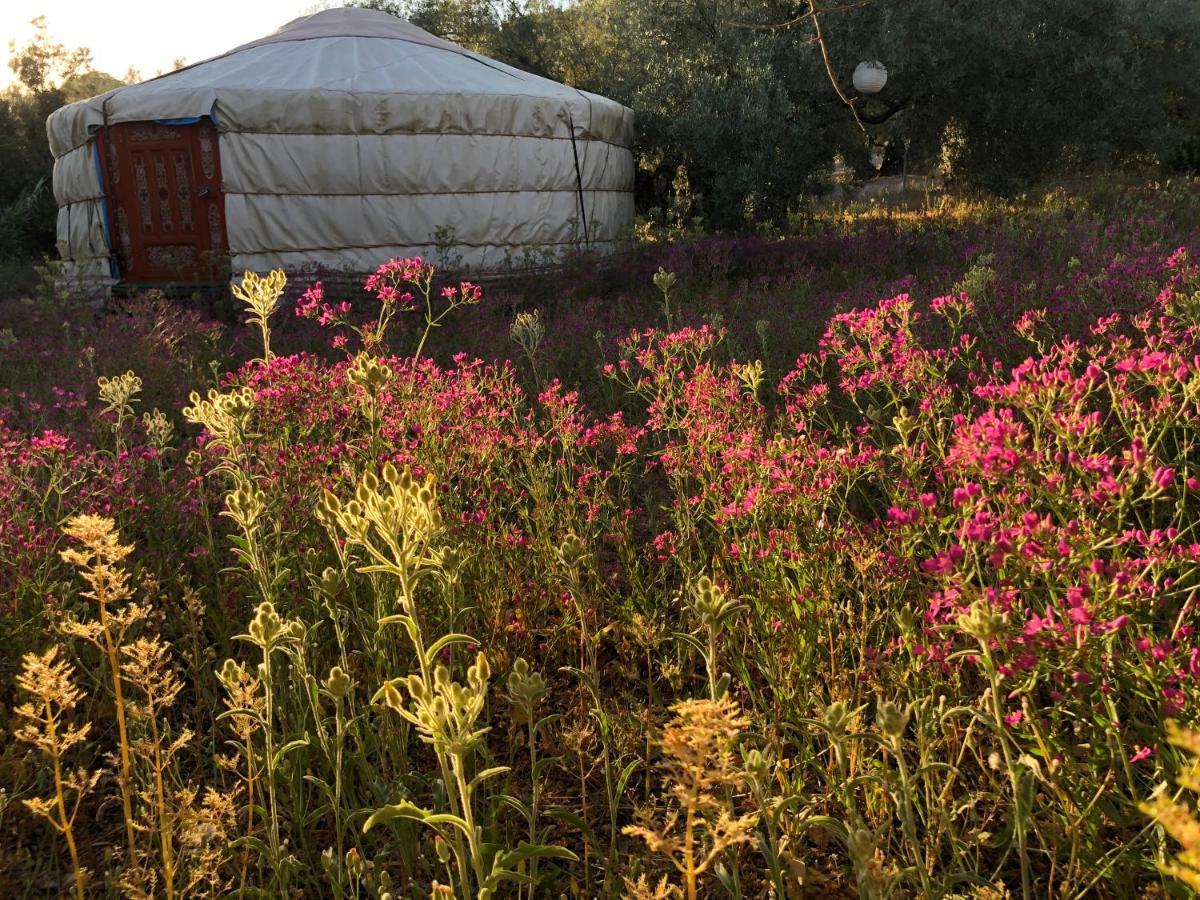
904	610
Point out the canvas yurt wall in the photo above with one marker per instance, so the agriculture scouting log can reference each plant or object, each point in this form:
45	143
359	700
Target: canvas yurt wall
345	138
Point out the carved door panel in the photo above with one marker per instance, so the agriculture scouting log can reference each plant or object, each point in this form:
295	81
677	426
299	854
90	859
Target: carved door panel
166	211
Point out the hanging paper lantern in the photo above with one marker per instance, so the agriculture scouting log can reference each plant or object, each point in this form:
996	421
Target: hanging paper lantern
870	77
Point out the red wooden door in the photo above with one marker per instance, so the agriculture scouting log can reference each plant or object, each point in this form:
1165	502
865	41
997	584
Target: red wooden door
166	211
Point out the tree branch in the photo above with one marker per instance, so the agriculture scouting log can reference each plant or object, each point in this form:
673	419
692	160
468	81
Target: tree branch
803	17
812	13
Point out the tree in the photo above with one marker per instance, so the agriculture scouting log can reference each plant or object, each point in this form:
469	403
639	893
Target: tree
1034	89
87	84
42	62
472	23
49	75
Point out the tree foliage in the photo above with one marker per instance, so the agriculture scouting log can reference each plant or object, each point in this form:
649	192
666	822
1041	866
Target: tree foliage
1007	95
738	94
42	63
48	76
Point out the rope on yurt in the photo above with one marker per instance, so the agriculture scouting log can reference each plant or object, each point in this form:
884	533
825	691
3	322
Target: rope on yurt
578	178
114	261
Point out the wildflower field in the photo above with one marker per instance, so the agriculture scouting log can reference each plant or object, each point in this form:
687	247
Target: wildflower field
859	563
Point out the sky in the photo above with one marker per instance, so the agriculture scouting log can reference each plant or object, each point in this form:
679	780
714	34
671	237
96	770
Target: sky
146	34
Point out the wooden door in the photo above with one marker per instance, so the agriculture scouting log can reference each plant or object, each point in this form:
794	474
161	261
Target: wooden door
166	210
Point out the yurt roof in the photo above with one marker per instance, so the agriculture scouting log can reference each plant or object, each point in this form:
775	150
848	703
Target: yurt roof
351	70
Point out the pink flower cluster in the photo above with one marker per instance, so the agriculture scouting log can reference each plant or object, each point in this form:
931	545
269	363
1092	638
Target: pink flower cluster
397	271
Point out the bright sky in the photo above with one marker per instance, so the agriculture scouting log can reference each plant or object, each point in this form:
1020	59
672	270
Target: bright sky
146	34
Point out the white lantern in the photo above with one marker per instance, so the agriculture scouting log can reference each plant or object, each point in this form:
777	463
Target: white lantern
870	77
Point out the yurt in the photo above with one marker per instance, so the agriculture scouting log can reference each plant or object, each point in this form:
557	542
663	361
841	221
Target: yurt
343	139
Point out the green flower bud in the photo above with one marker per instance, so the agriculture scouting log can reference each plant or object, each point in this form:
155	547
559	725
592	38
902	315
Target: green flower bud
525	686
391	696
664	280
571	552
338	683
230	673
441	848
891	719
983	622
837	718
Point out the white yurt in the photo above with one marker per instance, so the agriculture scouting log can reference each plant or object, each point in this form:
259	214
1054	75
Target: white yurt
343	139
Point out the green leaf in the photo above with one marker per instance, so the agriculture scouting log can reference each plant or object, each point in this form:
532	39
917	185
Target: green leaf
387	570
485	775
626	773
691	640
447	819
509	858
398	619
326	789
722	686
937	766
446	640
725	877
497	875
257	844
543	764
513	803
239	711
576	821
785	804
392	811
868	779
834	826
583	676
288	748
728	613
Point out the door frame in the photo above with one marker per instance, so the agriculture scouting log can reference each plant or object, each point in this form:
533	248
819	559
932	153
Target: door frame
186	242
